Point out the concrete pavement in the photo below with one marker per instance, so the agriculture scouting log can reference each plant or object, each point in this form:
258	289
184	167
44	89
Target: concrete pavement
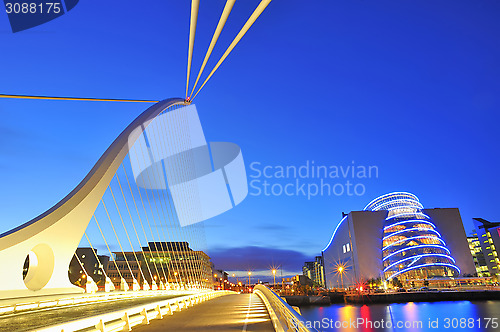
236	312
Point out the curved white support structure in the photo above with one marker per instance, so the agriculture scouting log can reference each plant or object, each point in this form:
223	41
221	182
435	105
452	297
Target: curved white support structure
51	239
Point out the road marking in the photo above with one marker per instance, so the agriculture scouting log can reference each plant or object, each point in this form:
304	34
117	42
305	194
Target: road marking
248	314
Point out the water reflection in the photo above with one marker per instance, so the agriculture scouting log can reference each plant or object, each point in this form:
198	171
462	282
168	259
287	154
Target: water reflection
418	316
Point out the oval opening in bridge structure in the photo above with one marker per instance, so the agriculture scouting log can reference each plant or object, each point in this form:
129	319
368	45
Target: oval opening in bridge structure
38	267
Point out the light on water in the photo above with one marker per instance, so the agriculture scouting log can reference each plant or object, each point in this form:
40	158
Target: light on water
413	316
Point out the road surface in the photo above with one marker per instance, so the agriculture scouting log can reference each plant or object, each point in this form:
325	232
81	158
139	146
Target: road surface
33	319
235	312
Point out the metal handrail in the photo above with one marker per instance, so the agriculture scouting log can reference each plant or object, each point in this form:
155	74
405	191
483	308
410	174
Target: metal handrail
283	316
51	301
127	318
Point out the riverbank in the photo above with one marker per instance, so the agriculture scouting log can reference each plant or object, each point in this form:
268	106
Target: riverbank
326	299
365	298
432	296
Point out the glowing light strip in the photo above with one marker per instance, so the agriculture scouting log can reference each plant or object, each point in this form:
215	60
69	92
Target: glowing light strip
407	213
415	237
402	193
416	247
423	265
413	262
410	221
334	232
411	230
405	207
419	256
409	203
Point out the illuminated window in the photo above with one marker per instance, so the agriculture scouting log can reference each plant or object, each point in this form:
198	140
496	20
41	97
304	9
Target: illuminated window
408	235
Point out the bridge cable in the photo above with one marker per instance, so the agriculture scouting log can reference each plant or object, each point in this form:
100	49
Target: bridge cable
149	224
83	268
136	234
189	200
126	233
101	267
222	21
107	246
158	210
170	210
260	8
142	226
154	221
195	5
175	140
119	243
75	98
175	247
168	203
191	229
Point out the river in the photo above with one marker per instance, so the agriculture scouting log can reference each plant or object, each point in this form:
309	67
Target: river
413	316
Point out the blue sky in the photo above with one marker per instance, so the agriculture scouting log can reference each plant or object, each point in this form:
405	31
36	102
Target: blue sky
410	87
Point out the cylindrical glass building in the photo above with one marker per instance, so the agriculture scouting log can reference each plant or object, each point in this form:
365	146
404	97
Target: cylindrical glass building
412	247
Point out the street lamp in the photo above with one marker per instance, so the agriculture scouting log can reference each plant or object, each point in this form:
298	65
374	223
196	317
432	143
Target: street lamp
249	274
340	269
274	278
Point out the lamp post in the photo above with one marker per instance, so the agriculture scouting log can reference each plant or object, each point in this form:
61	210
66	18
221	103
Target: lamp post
236	279
249	274
274	278
341	270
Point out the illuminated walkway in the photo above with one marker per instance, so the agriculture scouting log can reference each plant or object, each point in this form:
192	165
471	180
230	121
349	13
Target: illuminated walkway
38	318
238	312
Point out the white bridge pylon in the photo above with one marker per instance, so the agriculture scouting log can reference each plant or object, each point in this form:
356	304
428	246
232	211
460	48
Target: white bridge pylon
50	240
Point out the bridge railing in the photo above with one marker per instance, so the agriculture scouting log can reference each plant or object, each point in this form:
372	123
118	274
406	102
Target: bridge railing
124	320
283	316
34	303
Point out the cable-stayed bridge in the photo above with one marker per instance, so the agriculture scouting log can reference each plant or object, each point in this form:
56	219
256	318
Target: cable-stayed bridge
145	201
126	246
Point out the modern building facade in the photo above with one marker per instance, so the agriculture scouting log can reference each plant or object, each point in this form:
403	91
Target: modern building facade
478	256
221	279
170	263
395	237
92	265
315	271
488	235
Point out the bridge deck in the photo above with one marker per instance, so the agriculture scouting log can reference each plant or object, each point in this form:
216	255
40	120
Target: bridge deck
38	318
238	312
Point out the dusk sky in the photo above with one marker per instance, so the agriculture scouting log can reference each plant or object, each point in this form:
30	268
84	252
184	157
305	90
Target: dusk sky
410	88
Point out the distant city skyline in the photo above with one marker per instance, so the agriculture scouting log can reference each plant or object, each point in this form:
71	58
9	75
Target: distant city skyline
409	88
